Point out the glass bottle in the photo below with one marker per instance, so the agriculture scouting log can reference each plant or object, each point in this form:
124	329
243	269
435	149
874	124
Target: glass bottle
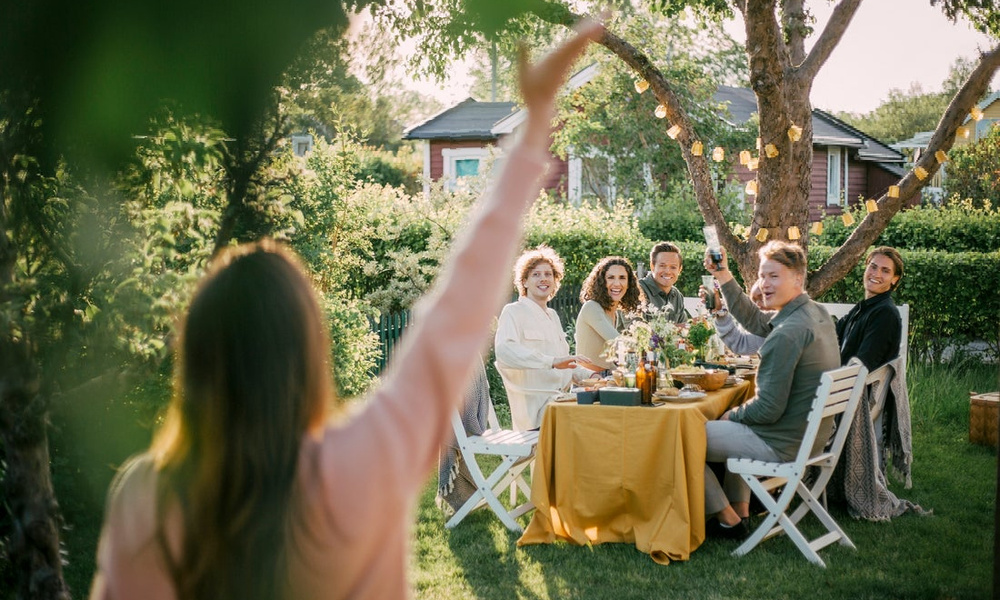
652	372
642	382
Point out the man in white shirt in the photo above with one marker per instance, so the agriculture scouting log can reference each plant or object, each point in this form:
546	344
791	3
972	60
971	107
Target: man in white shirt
531	348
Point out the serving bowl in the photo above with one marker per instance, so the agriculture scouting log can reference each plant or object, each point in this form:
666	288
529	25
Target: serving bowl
709	380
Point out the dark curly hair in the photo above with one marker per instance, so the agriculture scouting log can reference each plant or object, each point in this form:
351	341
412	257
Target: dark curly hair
595	289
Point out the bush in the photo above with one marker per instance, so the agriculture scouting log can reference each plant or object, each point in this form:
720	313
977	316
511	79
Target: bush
959	226
974	170
952	297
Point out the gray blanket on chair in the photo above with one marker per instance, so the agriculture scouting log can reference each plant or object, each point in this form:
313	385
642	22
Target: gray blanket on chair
862	466
454	482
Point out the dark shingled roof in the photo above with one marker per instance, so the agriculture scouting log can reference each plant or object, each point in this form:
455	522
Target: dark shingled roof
827	129
467	120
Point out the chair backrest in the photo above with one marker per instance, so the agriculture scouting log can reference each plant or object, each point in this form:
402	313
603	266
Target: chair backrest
838	311
838	394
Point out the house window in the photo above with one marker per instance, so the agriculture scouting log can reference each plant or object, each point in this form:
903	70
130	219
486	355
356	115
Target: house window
462	163
833	189
591	179
302	144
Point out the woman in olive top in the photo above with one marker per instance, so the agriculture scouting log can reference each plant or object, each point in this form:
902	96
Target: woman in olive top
610	291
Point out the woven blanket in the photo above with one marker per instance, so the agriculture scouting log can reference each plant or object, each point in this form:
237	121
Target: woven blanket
455	485
861	474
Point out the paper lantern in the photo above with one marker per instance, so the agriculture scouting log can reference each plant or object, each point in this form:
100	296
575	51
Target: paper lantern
847	218
920	172
771	150
641	85
673	132
762	235
893	191
744	157
871	205
753	164
697	148
758	144
719	154
963	132
795	133
793	233
661	111
751	188
977	114
941	156
817	228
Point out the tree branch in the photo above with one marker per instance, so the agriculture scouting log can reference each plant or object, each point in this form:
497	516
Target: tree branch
828	40
944	137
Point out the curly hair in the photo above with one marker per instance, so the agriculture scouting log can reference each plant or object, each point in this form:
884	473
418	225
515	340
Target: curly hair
595	289
530	259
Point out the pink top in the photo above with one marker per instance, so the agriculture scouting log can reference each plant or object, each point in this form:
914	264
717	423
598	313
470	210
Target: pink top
356	487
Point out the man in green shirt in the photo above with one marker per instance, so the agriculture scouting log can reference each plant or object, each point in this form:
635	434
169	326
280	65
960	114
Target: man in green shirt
665	266
800	345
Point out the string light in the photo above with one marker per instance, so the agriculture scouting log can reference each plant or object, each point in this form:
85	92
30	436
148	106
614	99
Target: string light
920	172
753	164
744	157
641	85
661	111
795	133
893	191
817	228
719	154
751	189
941	157
697	148
793	233
770	150
976	113
758	145
673	132
963	132
762	235
847	218
871	205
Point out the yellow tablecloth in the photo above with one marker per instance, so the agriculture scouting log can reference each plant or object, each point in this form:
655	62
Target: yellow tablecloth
625	474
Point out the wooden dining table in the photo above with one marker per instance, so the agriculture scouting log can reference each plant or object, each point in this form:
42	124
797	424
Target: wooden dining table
628	474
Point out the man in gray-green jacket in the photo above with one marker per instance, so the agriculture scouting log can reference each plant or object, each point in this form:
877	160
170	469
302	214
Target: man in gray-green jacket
801	345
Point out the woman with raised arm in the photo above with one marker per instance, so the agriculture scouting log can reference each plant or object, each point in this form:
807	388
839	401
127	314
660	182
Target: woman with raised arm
248	490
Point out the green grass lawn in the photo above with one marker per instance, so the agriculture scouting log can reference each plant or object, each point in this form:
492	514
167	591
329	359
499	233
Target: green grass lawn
944	556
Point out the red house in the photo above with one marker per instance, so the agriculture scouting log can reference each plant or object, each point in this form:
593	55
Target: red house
847	163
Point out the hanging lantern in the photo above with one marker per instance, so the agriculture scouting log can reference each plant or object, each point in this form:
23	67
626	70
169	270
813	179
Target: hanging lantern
963	132
697	148
673	132
771	150
941	157
793	233
977	114
661	111
719	154
758	145
753	164
847	218
762	235
744	157
751	189
641	85
893	191
817	228
920	172
871	205
795	133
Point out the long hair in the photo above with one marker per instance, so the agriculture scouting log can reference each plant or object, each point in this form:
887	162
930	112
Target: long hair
594	287
252	378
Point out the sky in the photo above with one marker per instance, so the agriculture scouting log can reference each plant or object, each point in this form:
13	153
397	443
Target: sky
889	44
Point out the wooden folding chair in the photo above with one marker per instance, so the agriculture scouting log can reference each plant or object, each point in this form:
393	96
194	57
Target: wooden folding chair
838	394
516	450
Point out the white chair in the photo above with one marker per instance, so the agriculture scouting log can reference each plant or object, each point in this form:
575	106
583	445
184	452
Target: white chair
838	311
516	450
838	394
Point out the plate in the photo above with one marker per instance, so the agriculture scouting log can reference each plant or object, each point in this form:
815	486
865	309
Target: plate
565	398
690	395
